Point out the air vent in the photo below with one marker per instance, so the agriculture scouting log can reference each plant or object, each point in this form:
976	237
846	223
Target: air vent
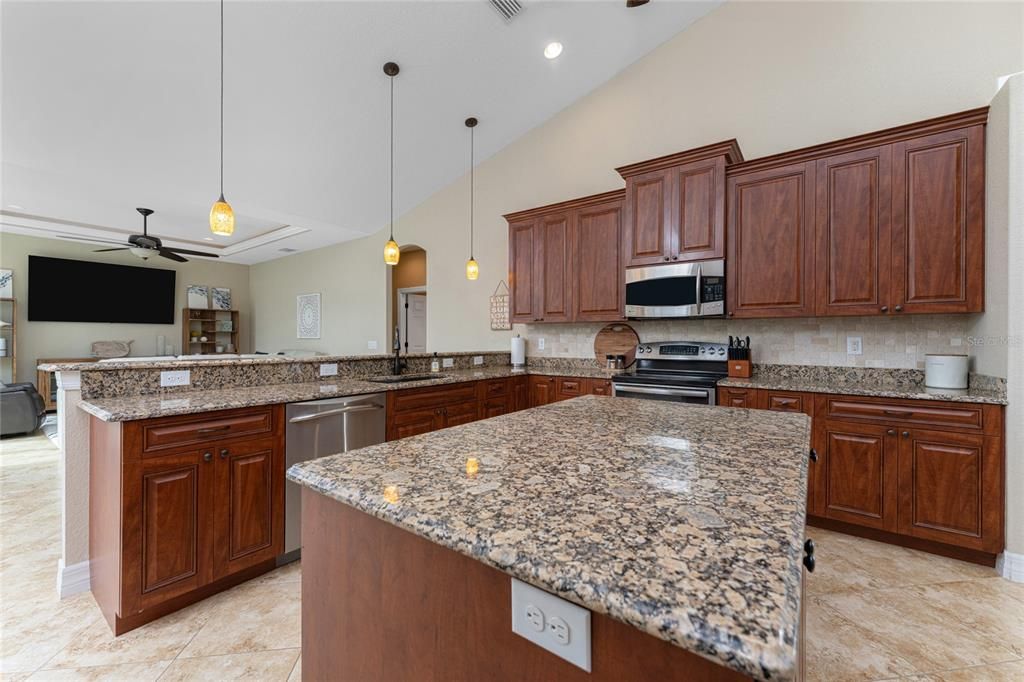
507	8
287	250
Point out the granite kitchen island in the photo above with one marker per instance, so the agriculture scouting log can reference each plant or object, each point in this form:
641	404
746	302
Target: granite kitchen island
680	528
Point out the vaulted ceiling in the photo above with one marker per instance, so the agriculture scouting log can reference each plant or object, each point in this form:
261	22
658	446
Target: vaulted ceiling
112	105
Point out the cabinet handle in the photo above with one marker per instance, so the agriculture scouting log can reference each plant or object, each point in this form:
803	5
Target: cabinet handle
891	432
224	453
885	308
898	308
809	562
814	455
906	434
207	456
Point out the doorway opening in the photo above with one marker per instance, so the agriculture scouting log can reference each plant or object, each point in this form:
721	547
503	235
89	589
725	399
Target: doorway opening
409	300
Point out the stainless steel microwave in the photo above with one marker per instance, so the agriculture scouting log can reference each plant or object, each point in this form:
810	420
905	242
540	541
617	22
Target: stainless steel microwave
676	290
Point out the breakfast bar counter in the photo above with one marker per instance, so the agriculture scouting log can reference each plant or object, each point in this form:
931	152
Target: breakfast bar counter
681	523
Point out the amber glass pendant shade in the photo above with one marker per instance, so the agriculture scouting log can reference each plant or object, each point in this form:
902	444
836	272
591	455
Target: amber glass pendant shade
472	269
222	218
391	253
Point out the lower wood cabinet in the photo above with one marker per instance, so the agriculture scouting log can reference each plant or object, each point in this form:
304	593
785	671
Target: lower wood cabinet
601	387
171	527
411	412
542	390
929	474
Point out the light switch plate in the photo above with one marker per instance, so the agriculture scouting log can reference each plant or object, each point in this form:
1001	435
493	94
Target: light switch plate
552	623
371	345
478	359
540	343
328	369
447	362
854	345
181	377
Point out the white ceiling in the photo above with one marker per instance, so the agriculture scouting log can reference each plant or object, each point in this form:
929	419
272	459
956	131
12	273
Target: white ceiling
112	105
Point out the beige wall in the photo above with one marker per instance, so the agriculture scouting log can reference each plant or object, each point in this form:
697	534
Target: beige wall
411	271
774	75
73	339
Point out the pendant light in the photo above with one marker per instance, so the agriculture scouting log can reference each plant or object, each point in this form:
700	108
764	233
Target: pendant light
472	268
391	252
222	218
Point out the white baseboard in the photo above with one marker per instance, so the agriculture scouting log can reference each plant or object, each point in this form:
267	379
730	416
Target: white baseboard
1011	566
72	579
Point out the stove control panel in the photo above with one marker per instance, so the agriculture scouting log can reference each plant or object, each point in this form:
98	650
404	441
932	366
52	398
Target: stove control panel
682	350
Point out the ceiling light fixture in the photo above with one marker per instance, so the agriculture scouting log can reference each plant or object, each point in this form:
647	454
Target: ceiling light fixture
553	50
391	252
222	218
472	267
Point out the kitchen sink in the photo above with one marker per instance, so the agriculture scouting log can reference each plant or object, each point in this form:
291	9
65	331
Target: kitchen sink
401	378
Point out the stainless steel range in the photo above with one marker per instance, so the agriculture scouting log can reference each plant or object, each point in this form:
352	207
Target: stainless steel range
676	371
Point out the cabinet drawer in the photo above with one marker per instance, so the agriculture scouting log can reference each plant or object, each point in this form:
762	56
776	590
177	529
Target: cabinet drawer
160	435
569	387
781	401
737	397
419	398
492	388
601	386
966	416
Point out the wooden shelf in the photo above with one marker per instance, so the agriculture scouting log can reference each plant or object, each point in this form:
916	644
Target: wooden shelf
204	321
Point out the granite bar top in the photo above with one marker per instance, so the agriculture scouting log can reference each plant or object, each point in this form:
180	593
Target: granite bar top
684	521
132	407
879	383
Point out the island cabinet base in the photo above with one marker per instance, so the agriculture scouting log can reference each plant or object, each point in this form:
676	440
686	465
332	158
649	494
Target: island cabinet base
379	603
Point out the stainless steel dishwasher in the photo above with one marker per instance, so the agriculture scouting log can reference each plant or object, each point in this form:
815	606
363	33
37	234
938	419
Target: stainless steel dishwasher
319	428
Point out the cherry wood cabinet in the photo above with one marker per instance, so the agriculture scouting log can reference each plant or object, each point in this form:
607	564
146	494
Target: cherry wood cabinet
739	397
182	507
565	261
520	387
413	411
542	390
601	387
770	270
675	205
567	388
858	462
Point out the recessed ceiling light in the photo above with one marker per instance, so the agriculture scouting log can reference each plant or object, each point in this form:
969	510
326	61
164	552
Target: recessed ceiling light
553	50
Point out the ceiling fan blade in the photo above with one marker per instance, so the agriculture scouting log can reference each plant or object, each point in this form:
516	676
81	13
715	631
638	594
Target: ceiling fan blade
190	252
166	253
123	248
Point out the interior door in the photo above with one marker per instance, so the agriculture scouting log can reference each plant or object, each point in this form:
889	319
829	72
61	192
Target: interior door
413	322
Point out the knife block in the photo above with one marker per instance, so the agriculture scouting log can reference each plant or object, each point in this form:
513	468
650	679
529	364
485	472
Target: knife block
739	369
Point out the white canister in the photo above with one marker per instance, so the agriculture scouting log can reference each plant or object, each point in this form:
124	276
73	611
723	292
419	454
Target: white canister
518	352
946	371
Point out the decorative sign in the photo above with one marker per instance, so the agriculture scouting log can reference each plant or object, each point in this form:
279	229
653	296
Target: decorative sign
307	316
500	319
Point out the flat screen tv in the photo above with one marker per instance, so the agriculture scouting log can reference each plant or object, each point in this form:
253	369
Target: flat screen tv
61	290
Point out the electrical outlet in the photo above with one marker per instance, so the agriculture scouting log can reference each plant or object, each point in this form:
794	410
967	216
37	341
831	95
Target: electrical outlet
478	359
540	343
328	369
447	362
371	345
854	345
552	623
182	377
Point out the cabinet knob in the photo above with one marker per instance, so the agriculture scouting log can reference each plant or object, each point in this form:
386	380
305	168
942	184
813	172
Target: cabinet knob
666	258
898	308
675	257
224	453
891	432
809	563
885	308
207	456
906	434
731	313
814	455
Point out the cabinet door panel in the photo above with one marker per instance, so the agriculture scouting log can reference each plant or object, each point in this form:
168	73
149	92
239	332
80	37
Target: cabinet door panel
771	249
542	390
853	230
554	259
738	397
938	222
460	413
520	393
597	288
648	215
495	407
860	475
251	492
414	422
950	489
522	276
700	211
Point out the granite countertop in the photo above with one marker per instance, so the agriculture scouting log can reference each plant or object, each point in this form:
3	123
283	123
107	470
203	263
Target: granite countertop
911	391
133	407
684	521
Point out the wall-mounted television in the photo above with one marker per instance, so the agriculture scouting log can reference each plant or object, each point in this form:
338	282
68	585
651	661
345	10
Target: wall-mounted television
62	290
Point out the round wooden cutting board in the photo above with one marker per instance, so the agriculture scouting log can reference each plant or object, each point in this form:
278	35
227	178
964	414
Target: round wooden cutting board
616	339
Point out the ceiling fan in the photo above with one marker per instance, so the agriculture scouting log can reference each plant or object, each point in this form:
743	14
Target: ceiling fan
144	246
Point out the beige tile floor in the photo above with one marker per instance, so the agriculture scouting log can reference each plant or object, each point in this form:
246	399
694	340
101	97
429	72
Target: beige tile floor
875	611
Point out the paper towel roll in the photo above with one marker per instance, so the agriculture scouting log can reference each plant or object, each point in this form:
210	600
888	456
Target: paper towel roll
518	352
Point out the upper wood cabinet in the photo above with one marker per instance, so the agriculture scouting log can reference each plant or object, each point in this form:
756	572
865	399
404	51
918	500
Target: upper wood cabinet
885	223
675	206
565	261
770	271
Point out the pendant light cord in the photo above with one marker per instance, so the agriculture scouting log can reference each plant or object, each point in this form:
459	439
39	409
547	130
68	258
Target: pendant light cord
222	100
472	135
391	198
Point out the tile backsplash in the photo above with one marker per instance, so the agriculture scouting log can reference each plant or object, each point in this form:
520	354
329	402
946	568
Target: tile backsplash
898	342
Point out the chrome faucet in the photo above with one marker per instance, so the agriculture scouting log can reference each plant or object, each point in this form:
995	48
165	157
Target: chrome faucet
399	363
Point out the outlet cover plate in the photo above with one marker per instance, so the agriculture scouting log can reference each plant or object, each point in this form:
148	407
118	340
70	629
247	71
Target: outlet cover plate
478	359
181	377
570	621
448	362
371	345
854	345
540	343
328	369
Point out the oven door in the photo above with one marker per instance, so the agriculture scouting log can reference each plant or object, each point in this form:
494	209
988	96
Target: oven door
676	394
